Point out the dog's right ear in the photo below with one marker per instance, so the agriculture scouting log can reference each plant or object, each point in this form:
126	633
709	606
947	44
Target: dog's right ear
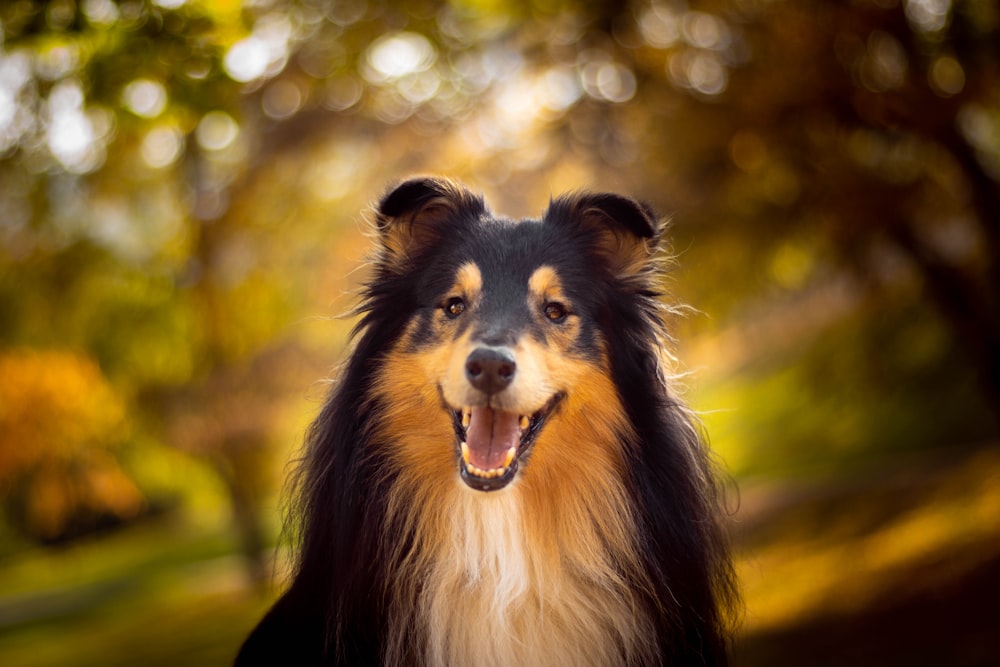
418	213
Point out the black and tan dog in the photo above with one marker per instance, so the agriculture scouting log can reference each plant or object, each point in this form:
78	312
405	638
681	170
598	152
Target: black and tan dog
501	475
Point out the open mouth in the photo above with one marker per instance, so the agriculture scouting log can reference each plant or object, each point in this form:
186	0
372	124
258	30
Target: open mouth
492	442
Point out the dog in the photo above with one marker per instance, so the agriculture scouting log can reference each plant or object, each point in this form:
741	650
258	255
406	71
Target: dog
502	473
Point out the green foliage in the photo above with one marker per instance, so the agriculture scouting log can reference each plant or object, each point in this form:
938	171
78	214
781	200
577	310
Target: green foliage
851	395
177	174
182	187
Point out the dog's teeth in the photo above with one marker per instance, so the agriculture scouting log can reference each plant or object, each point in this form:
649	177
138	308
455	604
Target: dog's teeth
486	474
524	423
466	418
510	457
465	453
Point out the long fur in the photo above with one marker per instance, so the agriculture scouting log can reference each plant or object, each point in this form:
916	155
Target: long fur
605	550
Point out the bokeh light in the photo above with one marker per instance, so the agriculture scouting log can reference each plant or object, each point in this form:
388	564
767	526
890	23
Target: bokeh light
162	146
396	55
145	98
217	131
185	192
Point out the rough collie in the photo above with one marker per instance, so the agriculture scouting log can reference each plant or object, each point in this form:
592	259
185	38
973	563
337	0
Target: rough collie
501	474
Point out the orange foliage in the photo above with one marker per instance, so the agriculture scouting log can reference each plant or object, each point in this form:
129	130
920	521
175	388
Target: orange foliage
60	424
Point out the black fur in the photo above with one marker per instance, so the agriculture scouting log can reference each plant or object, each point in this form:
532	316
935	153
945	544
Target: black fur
335	612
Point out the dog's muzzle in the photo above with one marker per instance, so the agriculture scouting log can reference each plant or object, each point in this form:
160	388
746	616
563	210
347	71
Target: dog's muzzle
492	441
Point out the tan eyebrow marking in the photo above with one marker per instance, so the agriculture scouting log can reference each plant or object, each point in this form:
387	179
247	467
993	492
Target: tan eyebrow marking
468	279
545	282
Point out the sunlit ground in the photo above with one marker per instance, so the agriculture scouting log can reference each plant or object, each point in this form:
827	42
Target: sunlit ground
834	551
172	591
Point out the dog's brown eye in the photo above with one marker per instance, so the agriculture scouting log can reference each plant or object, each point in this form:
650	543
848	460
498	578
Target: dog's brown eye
454	307
556	312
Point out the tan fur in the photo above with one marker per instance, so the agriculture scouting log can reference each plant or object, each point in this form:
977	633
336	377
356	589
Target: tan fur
541	572
544	282
468	280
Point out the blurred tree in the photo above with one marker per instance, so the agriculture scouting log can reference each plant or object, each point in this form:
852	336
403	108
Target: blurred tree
168	167
870	127
120	138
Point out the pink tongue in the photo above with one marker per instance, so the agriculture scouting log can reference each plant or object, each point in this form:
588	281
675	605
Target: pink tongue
491	434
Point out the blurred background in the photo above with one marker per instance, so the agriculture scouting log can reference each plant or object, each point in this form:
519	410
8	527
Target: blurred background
184	186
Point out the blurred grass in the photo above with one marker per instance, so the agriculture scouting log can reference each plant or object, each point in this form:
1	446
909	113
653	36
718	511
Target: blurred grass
172	591
163	593
897	567
837	548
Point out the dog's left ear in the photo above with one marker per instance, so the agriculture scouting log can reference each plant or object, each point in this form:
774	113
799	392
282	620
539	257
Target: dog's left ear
418	213
624	232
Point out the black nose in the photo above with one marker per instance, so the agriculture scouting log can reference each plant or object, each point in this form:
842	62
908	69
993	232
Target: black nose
490	369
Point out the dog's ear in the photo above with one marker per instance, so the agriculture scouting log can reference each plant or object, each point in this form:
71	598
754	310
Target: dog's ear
418	213
625	233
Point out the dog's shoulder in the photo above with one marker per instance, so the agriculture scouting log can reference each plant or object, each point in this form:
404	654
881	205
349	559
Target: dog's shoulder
290	634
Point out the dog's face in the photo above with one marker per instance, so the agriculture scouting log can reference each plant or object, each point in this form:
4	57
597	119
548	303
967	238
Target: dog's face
503	350
505	343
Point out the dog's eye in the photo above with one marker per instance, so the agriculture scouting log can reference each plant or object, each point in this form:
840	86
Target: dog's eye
556	312
454	307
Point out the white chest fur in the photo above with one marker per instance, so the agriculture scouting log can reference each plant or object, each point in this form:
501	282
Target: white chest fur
498	594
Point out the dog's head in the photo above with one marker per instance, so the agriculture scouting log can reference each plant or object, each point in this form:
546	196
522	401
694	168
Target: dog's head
502	354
